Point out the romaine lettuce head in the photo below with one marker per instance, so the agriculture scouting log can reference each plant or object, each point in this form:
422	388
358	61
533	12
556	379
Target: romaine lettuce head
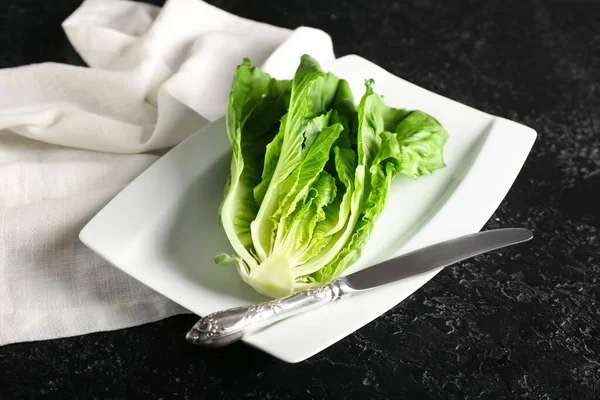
310	173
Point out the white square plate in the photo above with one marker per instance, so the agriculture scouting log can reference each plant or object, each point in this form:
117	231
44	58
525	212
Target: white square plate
163	228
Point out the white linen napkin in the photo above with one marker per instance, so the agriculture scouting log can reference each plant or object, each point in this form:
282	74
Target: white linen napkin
72	137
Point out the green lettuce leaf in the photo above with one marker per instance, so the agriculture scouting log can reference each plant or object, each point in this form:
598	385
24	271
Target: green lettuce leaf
256	104
311	94
311	172
415	149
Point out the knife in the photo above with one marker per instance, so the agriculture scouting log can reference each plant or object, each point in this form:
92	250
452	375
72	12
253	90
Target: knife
227	326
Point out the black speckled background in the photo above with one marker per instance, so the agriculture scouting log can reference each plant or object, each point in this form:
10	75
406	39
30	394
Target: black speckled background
521	323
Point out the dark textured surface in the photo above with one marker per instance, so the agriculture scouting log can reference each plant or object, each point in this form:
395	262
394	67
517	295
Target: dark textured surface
523	323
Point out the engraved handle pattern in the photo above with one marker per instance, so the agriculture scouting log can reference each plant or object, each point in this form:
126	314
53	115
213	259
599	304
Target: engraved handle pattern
227	326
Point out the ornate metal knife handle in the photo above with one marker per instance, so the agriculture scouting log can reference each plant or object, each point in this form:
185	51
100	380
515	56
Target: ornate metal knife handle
227	326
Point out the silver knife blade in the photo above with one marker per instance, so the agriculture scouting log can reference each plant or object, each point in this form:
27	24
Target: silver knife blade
435	256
